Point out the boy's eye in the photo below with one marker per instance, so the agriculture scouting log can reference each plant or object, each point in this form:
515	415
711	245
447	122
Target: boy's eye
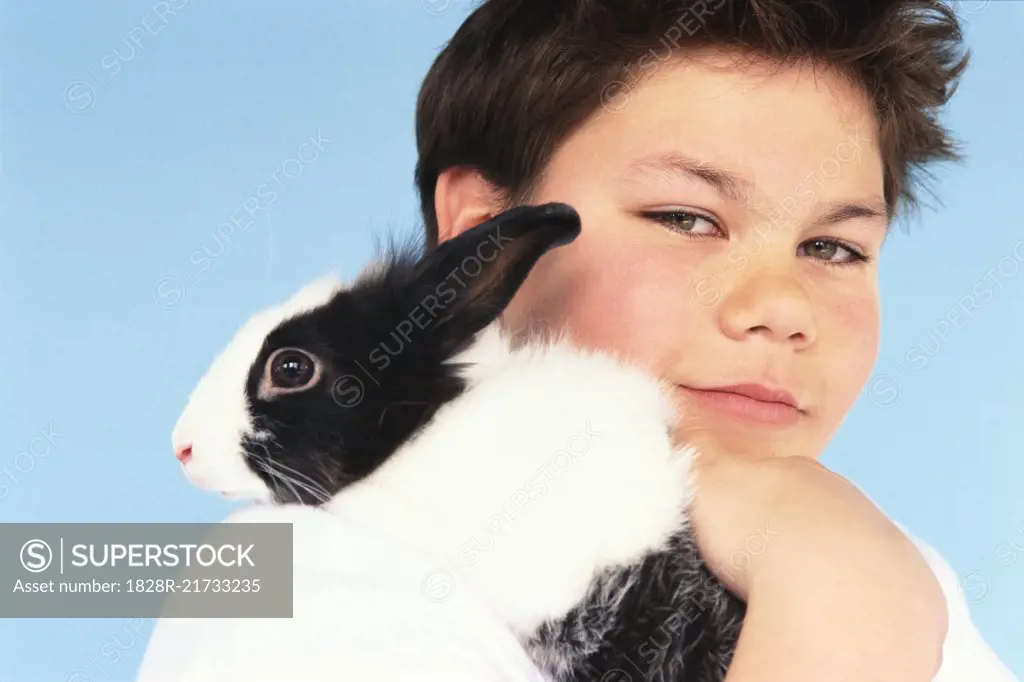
685	222
832	252
828	251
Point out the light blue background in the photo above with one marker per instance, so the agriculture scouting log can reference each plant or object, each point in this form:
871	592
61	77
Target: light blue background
111	185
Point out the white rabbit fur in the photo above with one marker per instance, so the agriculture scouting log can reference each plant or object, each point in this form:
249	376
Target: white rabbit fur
554	464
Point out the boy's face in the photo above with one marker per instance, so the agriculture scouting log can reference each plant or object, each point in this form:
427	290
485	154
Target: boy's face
724	211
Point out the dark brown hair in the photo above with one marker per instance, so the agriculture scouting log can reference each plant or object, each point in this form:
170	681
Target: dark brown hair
520	75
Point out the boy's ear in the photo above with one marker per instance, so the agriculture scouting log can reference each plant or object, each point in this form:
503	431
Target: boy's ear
472	277
463	198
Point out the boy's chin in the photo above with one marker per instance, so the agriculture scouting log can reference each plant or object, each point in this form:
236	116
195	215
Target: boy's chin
719	438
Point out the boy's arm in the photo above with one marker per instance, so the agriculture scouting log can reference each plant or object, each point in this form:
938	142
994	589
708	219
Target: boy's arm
838	593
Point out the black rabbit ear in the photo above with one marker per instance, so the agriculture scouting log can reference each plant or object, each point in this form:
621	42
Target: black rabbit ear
474	276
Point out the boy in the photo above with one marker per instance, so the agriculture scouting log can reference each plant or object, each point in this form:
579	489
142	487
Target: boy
735	194
733	207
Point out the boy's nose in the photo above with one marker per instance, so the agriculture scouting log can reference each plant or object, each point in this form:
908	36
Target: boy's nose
775	306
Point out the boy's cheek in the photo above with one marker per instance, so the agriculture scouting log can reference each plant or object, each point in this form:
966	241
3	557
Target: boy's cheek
848	340
853	328
636	304
615	289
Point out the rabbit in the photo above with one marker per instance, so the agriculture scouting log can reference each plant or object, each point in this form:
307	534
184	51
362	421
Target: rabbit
541	475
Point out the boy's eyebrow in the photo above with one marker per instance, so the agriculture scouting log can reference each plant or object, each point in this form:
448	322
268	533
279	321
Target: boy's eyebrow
731	185
842	211
740	189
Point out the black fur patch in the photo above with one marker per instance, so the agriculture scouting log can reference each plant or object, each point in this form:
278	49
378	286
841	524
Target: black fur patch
666	619
385	346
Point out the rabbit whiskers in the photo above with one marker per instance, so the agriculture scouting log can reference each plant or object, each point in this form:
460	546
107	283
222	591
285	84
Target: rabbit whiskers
284	474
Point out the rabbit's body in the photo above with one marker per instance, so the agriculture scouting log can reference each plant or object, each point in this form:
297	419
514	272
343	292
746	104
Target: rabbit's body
541	477
550	488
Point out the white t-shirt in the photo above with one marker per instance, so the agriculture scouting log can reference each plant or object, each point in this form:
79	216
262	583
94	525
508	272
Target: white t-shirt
368	609
966	657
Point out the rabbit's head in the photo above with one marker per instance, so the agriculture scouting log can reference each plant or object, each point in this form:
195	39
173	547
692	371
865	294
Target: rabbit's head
315	393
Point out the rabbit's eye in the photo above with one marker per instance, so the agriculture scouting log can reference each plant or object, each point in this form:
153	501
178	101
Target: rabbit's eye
292	369
289	369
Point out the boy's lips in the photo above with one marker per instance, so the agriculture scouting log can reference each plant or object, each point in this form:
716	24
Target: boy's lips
750	402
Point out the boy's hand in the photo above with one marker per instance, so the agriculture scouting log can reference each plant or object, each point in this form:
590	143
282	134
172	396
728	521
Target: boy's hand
834	590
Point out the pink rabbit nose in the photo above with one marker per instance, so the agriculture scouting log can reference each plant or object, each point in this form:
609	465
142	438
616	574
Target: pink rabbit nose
183	453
